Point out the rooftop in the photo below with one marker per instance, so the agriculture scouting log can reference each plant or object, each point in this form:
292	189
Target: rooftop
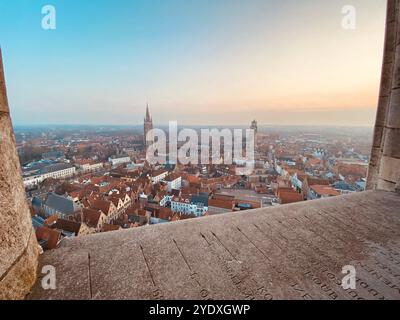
61	204
325	190
295	251
56	167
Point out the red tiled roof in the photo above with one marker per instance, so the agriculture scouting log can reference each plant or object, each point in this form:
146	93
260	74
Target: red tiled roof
165	213
312	181
102	205
172	177
158	172
52	236
190	190
226	204
67	225
191	178
109	227
325	190
218	196
289	196
91	217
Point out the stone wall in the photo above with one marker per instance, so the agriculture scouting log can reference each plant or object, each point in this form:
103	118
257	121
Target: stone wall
18	245
384	171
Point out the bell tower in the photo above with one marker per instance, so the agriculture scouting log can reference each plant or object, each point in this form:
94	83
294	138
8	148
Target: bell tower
148	125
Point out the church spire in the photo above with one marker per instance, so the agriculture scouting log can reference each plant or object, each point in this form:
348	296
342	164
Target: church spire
148	118
148	126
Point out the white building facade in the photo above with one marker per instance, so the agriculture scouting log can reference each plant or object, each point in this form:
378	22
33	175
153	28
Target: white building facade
159	176
55	172
116	161
174	183
185	206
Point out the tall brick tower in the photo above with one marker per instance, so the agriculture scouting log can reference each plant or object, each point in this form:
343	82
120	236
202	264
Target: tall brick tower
148	125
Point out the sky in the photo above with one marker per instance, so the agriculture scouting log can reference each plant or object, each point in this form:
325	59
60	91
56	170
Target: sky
210	62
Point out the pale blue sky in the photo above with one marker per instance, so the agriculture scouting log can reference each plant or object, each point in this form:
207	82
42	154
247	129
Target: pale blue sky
194	61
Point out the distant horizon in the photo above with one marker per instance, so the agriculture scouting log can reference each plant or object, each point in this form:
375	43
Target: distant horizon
260	125
338	123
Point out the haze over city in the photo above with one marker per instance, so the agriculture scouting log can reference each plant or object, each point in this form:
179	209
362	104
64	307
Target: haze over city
197	62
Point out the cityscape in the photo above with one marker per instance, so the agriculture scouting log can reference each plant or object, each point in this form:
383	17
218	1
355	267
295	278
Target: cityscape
197	157
87	180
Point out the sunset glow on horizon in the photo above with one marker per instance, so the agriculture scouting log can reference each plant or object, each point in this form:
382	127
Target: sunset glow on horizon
198	62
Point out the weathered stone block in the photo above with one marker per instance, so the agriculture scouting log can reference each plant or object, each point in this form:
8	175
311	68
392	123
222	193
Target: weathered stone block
372	176
386	81
392	143
22	276
391	10
393	120
381	112
396	74
390	169
15	222
75	287
386	185
390	42
378	135
375	156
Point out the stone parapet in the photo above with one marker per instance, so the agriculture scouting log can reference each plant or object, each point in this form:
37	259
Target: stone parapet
295	251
